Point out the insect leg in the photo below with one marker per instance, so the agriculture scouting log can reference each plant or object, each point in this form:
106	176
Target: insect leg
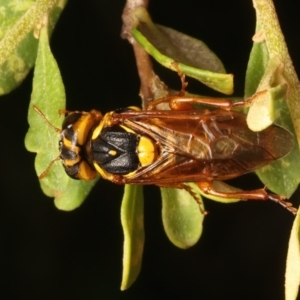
58	130
180	102
185	103
259	194
247	102
184	83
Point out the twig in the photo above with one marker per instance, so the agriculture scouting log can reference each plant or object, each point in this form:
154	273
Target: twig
150	82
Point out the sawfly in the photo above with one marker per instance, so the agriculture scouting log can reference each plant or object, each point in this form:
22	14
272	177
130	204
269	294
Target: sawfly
170	148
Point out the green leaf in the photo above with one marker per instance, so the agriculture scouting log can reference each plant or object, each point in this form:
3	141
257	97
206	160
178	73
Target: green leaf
181	216
18	44
264	103
257	63
132	218
292	274
192	56
270	69
48	96
273	69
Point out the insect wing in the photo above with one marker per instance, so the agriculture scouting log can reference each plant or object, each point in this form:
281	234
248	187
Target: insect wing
203	145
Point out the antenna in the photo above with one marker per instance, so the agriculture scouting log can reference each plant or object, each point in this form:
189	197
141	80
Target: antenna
58	130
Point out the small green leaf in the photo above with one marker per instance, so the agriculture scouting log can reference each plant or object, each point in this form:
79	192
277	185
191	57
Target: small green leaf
263	106
18	46
192	56
132	218
48	96
181	216
292	274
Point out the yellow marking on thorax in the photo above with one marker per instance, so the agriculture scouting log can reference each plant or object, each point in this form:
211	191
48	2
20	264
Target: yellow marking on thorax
85	172
112	152
147	151
105	122
103	173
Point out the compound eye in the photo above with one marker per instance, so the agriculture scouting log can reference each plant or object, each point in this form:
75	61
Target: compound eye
70	120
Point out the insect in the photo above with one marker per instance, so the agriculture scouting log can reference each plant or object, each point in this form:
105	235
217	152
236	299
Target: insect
171	147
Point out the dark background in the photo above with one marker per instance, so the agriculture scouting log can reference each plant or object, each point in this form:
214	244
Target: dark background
49	254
